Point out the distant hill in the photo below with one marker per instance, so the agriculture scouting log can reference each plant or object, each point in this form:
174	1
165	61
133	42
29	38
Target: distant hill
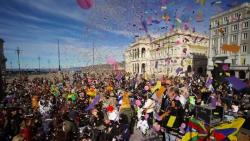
98	68
103	67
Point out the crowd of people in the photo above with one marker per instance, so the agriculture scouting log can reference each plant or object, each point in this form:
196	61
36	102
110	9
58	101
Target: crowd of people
110	107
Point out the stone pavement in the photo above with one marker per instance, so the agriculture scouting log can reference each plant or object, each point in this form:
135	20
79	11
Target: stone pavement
151	136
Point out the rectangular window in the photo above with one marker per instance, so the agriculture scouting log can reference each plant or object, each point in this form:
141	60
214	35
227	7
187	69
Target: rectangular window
215	51
225	30
156	64
224	52
224	40
225	20
244	61
234	38
216	23
237	16
215	32
233	61
244	36
244	48
234	27
245	24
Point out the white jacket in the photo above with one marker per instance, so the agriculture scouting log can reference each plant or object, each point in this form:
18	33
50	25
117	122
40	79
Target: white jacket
149	105
143	126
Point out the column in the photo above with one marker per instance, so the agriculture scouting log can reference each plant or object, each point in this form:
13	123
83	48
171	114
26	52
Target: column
133	54
139	64
138	52
133	68
137	68
237	73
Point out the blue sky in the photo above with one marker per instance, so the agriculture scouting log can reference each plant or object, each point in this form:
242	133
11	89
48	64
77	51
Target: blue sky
36	25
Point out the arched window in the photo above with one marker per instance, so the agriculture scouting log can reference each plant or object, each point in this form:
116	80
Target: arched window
143	51
232	73
156	64
242	74
189	68
143	67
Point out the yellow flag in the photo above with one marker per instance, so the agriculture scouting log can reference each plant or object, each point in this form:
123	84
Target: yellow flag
237	123
189	135
160	92
171	121
157	86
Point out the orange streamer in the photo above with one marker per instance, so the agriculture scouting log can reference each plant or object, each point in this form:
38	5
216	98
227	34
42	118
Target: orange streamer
231	48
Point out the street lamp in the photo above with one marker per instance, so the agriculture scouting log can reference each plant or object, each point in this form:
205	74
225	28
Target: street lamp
39	58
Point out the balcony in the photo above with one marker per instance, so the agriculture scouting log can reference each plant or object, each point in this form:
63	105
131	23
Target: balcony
220	57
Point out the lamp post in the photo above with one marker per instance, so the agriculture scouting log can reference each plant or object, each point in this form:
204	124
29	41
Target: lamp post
39	59
18	61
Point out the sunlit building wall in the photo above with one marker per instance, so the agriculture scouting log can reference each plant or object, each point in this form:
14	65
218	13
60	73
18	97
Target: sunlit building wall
231	27
164	55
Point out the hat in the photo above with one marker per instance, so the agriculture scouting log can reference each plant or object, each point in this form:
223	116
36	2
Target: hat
110	109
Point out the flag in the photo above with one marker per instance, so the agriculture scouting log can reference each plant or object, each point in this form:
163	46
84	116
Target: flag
160	92
228	130
192	100
157	86
237	84
209	82
91	92
118	76
197	125
196	131
171	121
95	101
193	136
178	70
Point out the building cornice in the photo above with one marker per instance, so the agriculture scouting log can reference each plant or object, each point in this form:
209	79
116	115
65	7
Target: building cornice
197	46
244	5
230	23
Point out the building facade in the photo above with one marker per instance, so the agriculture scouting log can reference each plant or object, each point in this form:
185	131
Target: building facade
137	56
231	28
170	54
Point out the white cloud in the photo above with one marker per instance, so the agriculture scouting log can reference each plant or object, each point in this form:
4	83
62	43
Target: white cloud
93	18
75	50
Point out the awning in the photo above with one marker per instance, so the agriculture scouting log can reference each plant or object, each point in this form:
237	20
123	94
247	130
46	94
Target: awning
218	61
220	58
228	61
